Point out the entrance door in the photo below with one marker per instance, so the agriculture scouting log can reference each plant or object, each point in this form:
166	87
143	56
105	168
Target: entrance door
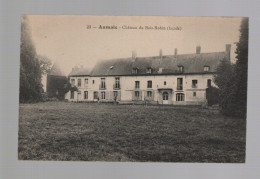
165	98
95	96
79	96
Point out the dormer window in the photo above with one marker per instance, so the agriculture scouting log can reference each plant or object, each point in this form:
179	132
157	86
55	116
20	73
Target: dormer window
135	70
206	68
149	70
180	69
160	70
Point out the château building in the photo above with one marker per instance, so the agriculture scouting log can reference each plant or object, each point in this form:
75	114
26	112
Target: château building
179	79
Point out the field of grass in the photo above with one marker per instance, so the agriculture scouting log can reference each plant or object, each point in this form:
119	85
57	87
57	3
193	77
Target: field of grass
107	132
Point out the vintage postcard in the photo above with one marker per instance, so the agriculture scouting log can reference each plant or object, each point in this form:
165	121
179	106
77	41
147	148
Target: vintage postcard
133	88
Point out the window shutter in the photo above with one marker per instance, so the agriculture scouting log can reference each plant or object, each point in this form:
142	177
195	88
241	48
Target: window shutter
119	96
106	95
110	93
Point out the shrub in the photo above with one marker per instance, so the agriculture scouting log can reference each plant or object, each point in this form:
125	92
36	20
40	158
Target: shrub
212	95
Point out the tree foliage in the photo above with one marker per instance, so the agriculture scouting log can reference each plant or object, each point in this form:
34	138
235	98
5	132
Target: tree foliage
68	87
212	95
45	64
224	80
241	70
232	78
30	70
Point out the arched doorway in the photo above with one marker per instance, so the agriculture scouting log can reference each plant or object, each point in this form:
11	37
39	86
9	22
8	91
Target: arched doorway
165	98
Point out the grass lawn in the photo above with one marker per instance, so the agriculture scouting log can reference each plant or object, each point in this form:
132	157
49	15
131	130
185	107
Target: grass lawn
107	132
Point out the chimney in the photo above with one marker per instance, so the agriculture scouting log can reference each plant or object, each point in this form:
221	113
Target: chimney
160	53
175	52
76	68
228	49
133	55
198	48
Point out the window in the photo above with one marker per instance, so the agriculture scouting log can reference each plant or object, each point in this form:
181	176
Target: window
135	70
103	95
149	94
149	84
179	84
95	95
137	84
93	81
72	95
194	94
86	81
72	82
180	69
194	83
149	70
164	83
117	83
103	83
79	82
137	94
85	95
179	97
209	83
206	68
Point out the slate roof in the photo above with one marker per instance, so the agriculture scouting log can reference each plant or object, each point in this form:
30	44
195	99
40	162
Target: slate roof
113	67
192	64
79	72
55	70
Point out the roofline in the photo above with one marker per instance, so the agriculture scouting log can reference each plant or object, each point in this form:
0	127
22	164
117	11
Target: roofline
172	74
57	75
77	75
128	58
156	56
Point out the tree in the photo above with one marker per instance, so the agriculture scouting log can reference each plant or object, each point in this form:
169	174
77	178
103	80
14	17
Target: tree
30	72
231	79
224	80
241	70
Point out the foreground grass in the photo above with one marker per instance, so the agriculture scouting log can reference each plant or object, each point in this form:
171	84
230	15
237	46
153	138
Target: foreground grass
102	132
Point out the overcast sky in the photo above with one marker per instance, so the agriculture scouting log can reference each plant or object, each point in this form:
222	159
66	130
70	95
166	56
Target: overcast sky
67	41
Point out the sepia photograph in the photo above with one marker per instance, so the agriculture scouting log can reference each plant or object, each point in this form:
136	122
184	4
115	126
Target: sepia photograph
133	88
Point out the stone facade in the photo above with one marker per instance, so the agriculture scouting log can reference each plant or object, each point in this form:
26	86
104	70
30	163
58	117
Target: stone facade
173	79
162	89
